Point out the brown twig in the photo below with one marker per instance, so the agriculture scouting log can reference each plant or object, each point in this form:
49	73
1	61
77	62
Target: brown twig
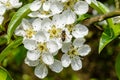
102	17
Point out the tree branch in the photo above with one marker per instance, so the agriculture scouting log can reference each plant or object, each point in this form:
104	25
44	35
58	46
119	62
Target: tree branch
94	19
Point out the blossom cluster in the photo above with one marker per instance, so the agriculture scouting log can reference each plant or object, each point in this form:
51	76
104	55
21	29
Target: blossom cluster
52	30
7	5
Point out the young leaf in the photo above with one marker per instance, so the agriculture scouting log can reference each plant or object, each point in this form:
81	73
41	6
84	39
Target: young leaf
104	40
16	19
4	75
13	44
117	65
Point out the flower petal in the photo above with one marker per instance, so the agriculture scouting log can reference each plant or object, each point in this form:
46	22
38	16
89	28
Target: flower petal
33	55
2	9
37	24
47	58
76	63
69	16
41	36
26	25
30	44
46	6
66	47
15	3
35	5
78	42
31	63
52	46
56	7
56	66
79	31
58	21
46	24
65	60
81	7
41	71
84	50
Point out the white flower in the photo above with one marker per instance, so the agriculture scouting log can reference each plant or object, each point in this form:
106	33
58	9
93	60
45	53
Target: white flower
10	4
42	47
45	9
41	69
72	53
27	29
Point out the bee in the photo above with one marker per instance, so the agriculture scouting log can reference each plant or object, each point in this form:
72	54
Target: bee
63	35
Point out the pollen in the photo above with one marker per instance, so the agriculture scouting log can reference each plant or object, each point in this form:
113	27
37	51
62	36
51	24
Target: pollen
29	33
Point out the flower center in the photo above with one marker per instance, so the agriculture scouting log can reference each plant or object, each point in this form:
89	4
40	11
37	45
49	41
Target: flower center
29	33
73	52
54	32
69	27
8	4
69	4
42	47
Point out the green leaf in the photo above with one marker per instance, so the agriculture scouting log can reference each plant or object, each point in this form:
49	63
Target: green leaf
109	35
4	75
82	17
13	44
104	40
117	65
16	20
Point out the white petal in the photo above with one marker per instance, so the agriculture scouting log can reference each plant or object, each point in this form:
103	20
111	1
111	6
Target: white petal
58	21
46	24
56	7
66	47
79	31
64	0
78	42
52	46
35	5
34	14
41	71
47	58
19	31
37	24
76	63
15	3
56	66
69	16
46	6
65	60
84	50
29	44
26	25
33	55
31	63
1	19
42	36
81	7
2	9
88	1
